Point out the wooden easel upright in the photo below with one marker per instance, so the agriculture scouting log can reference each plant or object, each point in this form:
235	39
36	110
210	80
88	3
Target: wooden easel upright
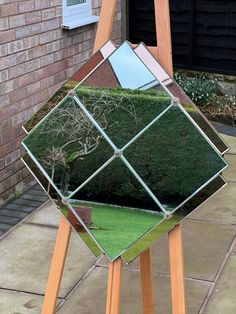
163	52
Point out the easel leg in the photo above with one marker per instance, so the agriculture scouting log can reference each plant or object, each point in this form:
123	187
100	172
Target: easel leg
163	31
105	23
57	267
177	270
114	287
147	282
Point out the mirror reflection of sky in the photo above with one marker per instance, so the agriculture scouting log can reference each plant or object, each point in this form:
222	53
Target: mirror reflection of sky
130	70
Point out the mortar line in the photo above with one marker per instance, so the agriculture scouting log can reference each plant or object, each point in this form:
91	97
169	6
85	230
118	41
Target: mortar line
217	276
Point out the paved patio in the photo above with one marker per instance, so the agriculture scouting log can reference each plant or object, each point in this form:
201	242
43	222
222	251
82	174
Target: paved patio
210	263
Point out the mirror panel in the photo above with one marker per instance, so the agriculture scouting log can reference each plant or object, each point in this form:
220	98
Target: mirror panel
73	150
174	159
121	157
119	210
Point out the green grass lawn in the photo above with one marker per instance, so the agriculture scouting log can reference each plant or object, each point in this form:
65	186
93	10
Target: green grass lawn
118	228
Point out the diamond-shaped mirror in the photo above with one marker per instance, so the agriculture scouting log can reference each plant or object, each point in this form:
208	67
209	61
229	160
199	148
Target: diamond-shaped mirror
126	155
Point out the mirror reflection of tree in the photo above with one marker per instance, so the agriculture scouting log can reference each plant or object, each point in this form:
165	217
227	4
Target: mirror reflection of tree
75	136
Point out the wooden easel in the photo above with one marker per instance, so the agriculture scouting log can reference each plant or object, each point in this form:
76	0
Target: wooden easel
163	52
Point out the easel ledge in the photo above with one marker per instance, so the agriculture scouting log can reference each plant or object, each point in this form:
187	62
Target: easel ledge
163	52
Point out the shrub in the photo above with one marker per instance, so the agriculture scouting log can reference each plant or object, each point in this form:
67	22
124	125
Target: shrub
198	88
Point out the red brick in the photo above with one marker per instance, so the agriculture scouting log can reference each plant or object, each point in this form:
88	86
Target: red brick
27	102
6	149
10	158
18	165
6	173
49	36
32	65
26	6
17	95
54	3
22	56
4	101
7	36
7	62
3	50
30	42
17	71
6	195
59	11
7	123
15	46
36	28
58	55
9	9
7	112
8	86
38	51
33	17
51	69
54	46
41	96
32	88
16	178
26	79
2	163
46	60
42	4
4	76
4	23
4	186
17	20
51	25
48	14
22	32
20	118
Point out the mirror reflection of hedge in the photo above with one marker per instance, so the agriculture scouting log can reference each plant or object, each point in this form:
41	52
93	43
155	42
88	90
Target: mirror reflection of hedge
136	109
65	140
176	161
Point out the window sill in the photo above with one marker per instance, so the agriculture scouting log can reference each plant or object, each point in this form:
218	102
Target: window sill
80	22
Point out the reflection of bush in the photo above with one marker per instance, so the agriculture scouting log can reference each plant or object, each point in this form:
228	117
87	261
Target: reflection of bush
172	157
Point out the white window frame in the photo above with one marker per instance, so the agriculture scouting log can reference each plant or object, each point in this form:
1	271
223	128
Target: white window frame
77	15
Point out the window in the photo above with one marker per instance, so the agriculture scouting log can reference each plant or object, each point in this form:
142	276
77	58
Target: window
77	13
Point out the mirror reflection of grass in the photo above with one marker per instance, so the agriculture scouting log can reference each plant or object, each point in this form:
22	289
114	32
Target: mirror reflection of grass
117	227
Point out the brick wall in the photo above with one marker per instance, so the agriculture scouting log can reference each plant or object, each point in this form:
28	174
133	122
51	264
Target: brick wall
36	57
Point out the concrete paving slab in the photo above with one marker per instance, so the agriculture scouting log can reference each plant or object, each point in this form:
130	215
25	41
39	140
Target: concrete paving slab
220	208
90	296
48	215
26	258
230	172
12	302
231	141
223	299
205	246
